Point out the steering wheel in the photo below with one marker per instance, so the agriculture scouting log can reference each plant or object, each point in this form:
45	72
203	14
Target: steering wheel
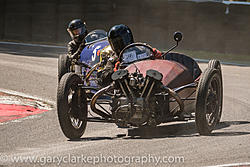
133	45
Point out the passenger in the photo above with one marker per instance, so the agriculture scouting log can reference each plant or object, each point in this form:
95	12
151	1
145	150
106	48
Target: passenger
77	30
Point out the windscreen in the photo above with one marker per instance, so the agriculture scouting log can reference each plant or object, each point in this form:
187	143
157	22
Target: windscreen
95	35
136	53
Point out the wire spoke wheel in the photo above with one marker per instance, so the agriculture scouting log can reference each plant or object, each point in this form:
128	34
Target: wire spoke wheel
212	106
209	101
71	106
76	122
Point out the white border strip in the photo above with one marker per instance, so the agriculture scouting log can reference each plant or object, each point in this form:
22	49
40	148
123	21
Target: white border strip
215	1
235	164
33	45
236	3
62	47
27	96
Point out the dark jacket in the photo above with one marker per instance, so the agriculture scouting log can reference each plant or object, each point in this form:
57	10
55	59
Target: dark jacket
75	49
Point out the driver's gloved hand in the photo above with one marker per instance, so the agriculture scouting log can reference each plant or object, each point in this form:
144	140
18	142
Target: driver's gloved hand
157	53
77	54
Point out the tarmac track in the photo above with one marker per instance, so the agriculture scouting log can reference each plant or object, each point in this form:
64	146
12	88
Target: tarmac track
41	136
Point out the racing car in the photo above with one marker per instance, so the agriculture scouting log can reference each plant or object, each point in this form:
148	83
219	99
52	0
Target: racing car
145	92
96	40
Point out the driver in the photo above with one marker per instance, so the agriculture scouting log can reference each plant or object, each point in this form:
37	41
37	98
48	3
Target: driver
77	31
119	36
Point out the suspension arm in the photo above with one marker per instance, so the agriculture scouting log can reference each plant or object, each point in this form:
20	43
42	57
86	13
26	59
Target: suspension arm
173	94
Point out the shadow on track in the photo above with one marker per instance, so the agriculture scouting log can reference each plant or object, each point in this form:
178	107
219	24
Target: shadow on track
186	129
98	138
182	130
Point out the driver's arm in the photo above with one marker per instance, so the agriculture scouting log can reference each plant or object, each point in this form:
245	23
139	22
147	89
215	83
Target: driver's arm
72	47
74	51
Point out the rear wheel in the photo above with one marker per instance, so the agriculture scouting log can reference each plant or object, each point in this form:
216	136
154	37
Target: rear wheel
214	64
63	65
209	99
71	106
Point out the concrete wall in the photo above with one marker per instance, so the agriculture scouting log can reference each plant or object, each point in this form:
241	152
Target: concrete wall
205	25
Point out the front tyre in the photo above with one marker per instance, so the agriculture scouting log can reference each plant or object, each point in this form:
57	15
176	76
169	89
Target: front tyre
208	101
71	106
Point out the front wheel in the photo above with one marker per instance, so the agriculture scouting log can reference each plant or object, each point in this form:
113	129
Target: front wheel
71	106
209	99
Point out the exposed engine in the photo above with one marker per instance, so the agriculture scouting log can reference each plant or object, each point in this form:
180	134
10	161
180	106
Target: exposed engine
134	101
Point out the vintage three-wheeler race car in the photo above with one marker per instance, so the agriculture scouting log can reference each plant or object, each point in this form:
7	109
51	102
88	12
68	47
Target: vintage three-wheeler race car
144	91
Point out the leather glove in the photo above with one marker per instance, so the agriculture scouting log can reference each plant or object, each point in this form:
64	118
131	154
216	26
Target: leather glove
77	54
157	53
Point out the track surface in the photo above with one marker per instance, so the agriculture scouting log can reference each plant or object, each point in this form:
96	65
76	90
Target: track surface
41	135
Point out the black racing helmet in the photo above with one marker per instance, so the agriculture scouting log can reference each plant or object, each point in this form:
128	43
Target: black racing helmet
119	36
77	30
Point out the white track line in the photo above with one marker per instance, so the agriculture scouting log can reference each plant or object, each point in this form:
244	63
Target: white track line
11	92
234	164
27	96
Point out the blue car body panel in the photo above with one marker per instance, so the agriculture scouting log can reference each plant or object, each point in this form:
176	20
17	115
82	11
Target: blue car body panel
90	54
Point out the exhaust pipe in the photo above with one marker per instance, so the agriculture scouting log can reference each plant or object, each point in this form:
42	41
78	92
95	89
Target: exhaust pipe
94	99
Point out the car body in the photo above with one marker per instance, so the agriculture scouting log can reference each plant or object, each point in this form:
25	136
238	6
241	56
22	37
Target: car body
145	92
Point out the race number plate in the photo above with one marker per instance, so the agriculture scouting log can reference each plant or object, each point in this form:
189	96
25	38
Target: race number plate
142	56
129	57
